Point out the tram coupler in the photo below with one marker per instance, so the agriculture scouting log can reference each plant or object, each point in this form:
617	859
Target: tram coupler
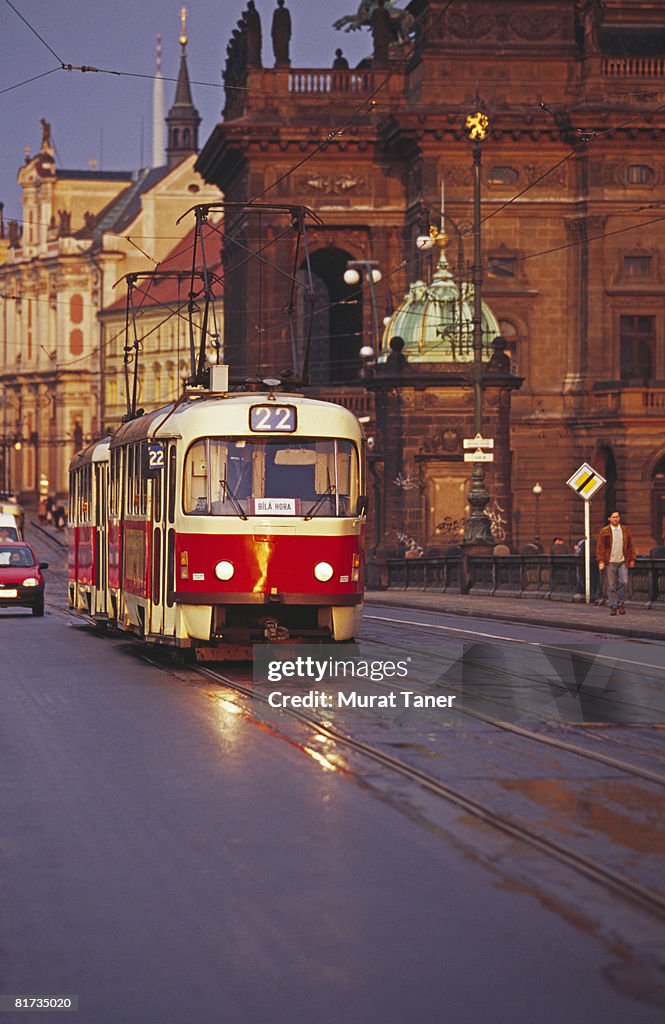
273	631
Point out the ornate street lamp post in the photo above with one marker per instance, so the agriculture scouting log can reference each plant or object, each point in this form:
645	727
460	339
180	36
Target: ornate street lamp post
537	490
478	526
355	269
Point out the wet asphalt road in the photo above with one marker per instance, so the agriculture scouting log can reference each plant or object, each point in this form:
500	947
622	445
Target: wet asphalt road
170	862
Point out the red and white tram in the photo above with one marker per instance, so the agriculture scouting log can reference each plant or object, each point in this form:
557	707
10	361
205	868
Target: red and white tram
223	520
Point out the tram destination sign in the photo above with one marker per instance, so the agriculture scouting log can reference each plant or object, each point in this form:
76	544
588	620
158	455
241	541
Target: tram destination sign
268	419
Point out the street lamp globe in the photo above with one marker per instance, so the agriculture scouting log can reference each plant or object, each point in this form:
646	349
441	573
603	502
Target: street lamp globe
424	242
376	275
351	276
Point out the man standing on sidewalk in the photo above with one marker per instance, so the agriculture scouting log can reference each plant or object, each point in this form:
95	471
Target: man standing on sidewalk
615	550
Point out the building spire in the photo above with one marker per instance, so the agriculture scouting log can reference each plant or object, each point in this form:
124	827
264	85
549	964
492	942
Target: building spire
183	118
158	156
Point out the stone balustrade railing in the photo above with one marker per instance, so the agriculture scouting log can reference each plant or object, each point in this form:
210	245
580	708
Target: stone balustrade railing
633	67
556	577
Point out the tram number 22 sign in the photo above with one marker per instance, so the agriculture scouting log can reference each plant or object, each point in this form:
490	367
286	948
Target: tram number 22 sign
153	459
280	419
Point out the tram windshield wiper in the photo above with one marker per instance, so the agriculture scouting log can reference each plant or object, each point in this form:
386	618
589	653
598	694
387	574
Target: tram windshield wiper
329	494
228	492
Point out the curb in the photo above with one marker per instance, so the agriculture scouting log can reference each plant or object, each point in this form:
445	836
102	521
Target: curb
527	617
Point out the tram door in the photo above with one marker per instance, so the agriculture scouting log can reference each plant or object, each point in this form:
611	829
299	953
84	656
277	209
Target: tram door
162	612
101	538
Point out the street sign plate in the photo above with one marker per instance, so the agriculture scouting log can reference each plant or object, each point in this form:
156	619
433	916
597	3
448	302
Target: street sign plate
479	456
478	442
585	481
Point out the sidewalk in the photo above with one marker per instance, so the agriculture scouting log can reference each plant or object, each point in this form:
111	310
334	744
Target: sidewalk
638	622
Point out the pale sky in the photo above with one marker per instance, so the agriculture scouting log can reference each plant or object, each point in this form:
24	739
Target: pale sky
106	118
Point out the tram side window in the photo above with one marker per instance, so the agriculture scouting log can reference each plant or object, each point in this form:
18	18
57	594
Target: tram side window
137	484
131	482
143	480
114	495
196	495
71	504
84	494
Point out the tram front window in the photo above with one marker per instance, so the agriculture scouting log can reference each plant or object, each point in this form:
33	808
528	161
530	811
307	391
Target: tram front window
242	477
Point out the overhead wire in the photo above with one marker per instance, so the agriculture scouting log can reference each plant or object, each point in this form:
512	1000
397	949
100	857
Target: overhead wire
592	137
34	31
27	81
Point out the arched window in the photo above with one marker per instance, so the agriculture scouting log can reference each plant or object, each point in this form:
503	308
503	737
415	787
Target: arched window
172	383
337	327
511	336
637	349
157	382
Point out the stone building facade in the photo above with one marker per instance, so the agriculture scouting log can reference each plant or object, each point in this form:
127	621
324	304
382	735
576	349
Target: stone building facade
80	233
159	331
573	242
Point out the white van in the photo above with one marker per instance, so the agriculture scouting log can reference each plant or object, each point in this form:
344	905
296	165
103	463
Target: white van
9	527
11	507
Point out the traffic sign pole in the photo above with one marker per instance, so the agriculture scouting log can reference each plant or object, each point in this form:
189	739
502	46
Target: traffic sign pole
587	551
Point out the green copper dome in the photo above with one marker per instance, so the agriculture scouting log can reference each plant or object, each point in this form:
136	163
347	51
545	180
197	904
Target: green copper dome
435	321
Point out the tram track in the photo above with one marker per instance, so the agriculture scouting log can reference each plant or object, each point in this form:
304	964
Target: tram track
652	677
552	741
592	869
497	638
597	756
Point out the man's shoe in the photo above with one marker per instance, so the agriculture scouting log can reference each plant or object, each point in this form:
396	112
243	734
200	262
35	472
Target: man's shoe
621	610
613	611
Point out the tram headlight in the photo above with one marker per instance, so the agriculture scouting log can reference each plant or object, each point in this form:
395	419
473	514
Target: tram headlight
323	571
224	570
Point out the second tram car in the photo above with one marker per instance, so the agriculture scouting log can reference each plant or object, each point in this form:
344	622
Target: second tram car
221	521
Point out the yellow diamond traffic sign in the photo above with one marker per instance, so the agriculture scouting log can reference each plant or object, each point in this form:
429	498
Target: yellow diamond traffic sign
585	481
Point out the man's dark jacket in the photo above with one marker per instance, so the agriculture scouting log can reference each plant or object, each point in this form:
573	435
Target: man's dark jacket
604	545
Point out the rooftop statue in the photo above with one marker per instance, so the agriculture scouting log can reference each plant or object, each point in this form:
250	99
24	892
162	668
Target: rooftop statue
281	34
253	28
403	23
47	144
